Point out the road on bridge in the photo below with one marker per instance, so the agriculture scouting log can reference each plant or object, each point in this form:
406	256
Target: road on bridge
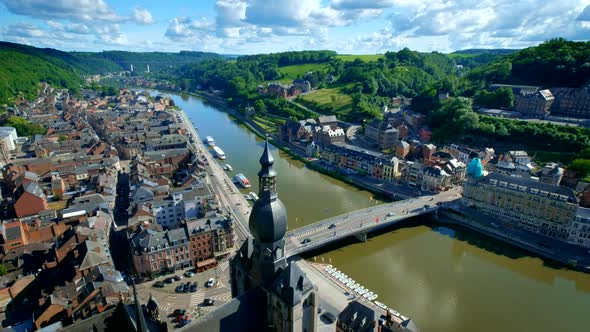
362	221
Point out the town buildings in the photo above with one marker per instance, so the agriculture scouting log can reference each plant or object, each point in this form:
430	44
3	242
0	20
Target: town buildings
538	207
535	104
154	252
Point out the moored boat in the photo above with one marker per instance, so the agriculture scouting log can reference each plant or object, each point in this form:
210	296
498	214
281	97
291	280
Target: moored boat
242	180
218	152
210	141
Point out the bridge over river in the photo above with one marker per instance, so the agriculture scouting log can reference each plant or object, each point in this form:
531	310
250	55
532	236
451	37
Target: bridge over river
360	222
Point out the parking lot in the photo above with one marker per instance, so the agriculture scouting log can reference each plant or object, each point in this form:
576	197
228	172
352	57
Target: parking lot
168	300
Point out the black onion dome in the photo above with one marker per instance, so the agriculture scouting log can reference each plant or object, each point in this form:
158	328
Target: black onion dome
268	221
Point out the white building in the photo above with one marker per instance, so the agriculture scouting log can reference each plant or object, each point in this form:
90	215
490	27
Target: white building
8	135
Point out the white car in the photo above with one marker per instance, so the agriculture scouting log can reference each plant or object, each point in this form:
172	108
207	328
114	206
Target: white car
189	274
210	282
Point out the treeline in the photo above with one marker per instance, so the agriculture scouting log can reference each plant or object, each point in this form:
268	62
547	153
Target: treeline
557	62
289	58
24	127
455	121
140	60
21	74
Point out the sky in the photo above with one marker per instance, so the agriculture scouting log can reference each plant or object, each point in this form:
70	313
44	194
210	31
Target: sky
264	26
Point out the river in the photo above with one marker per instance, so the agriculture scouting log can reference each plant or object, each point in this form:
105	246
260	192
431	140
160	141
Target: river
447	278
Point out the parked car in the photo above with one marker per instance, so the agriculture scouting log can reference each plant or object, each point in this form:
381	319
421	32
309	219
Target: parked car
189	274
208	302
210	282
183	323
169	280
391	214
159	284
178	312
177	278
179	289
193	287
332	226
306	240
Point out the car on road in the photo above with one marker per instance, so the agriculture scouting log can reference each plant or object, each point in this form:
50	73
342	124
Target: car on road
210	282
208	302
189	274
391	214
494	224
169	280
194	287
177	278
306	240
329	317
178	312
332	226
159	284
427	206
179	289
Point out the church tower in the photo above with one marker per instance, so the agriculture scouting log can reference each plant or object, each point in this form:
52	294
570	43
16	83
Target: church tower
268	224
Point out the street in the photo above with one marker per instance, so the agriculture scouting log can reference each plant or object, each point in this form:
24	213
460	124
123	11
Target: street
361	221
168	300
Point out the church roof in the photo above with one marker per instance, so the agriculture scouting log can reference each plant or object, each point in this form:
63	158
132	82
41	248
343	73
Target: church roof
291	284
244	313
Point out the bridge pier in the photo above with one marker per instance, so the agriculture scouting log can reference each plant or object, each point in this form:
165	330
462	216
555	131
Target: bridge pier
361	237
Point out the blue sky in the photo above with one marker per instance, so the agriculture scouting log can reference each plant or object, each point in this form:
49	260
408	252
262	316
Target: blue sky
262	26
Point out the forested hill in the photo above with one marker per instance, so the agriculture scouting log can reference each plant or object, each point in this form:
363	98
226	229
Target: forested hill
157	61
22	67
557	62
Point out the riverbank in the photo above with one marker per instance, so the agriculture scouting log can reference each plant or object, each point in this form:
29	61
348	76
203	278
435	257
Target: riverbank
290	150
572	257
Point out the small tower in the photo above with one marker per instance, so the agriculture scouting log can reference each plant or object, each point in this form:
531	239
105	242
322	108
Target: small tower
152	309
268	223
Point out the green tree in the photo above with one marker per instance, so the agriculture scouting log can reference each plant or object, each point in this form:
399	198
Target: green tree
62	138
453	119
259	106
2	270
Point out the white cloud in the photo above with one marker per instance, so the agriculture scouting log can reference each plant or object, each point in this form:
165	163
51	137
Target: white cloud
74	10
142	16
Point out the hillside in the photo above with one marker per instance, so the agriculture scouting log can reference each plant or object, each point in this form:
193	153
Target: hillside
20	74
80	64
557	62
140	60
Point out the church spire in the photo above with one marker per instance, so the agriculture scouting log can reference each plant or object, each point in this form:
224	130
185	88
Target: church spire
267	176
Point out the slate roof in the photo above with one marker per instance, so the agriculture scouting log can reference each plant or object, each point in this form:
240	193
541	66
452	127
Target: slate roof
244	313
34	189
327	118
358	317
291	284
530	184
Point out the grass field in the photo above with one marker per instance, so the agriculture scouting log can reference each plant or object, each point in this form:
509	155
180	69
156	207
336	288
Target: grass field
341	102
364	57
270	124
294	71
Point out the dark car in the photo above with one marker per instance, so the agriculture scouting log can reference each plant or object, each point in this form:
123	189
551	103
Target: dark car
179	289
306	240
159	284
208	302
332	226
194	287
169	280
329	317
183	322
178	312
177	278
